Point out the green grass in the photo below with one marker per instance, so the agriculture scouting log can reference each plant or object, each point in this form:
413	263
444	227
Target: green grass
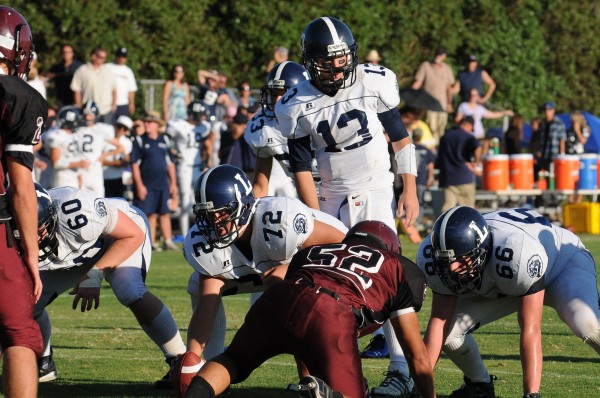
104	353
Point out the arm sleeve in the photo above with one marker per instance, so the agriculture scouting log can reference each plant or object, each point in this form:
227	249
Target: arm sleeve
300	154
392	123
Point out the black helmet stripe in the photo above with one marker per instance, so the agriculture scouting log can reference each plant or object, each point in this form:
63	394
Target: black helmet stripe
332	30
443	227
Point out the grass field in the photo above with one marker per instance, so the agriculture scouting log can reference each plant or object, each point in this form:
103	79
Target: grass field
104	353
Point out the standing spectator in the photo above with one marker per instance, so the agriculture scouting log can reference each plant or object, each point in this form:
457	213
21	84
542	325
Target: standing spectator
23	117
577	134
176	95
95	81
458	155
125	83
34	79
62	74
479	112
115	164
373	57
514	135
153	169
436	78
234	150
343	113
280	54
551	137
245	98
425	167
474	77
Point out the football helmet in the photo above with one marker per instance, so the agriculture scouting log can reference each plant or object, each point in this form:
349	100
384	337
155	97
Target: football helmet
196	110
224	204
16	43
47	223
378	232
461	235
324	40
279	80
69	117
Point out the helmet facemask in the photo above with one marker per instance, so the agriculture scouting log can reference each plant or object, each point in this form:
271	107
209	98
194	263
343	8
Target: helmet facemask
47	228
469	274
269	93
322	70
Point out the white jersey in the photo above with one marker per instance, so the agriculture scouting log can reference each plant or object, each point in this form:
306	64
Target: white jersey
527	255
69	153
116	172
280	226
188	140
349	140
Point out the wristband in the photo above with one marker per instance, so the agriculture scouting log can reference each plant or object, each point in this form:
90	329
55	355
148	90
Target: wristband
406	160
95	276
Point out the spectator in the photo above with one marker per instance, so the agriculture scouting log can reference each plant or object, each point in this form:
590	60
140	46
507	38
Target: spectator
234	149
577	134
458	155
551	138
280	54
373	57
514	135
95	81
62	75
34	79
212	94
474	77
126	84
412	120
479	112
226	95
425	168
115	165
176	95
436	78
245	100
153	170
23	114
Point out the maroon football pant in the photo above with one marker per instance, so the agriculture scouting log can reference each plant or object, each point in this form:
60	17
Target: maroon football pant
17	327
296	319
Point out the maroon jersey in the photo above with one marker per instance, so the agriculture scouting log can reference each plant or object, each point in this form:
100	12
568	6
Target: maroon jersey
377	283
23	113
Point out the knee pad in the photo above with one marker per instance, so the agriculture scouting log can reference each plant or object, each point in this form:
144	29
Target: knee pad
128	293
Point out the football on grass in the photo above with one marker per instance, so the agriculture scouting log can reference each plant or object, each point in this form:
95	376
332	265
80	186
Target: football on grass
186	367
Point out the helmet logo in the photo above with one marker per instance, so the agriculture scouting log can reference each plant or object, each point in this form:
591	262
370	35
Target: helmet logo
300	224
482	234
247	187
100	208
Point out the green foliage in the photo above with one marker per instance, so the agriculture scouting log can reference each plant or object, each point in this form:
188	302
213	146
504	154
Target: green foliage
536	50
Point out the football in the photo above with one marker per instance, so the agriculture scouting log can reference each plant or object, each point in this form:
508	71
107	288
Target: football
185	367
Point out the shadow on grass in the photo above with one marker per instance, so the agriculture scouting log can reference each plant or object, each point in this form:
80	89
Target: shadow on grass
547	358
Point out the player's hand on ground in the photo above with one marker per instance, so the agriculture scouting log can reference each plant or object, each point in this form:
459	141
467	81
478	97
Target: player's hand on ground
89	296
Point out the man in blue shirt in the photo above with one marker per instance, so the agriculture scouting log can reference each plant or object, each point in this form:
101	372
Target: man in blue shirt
153	170
459	153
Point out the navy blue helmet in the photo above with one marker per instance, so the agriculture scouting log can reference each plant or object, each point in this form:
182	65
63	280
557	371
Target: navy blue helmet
461	235
279	80
47	223
90	108
324	40
69	117
197	110
378	232
224	204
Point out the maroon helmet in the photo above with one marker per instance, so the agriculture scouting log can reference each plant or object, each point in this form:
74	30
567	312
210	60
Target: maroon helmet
16	44
378	232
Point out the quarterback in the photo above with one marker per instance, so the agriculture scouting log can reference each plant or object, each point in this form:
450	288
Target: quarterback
482	268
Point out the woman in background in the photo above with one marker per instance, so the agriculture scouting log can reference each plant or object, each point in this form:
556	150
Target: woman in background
176	95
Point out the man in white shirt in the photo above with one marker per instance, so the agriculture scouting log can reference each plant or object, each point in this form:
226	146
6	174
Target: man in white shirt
126	85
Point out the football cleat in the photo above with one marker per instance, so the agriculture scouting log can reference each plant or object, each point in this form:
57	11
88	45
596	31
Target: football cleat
395	384
47	369
312	387
470	389
165	382
377	348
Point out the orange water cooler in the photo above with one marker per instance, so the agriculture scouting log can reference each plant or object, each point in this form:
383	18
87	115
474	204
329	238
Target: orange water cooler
566	170
521	171
495	172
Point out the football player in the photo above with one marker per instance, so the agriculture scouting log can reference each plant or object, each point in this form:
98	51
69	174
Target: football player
331	294
22	119
482	268
189	137
92	139
272	173
344	111
241	244
61	146
83	239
